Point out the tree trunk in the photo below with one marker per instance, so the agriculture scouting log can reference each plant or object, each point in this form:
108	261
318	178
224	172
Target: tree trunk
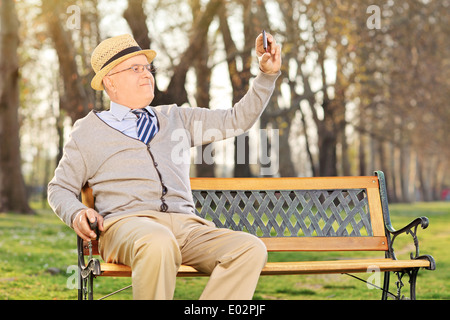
405	172
328	133
77	98
239	80
392	176
13	196
346	167
202	96
327	157
286	166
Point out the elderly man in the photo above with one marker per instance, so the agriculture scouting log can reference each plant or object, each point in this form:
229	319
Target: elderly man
144	205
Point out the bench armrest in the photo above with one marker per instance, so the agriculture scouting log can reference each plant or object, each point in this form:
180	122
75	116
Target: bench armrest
422	221
411	229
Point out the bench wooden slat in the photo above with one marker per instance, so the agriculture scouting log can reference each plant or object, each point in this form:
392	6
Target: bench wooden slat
316	183
120	270
326	244
375	210
308	244
285	268
87	198
340	266
95	251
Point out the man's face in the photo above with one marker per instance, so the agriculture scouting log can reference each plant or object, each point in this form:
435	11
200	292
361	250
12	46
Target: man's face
128	88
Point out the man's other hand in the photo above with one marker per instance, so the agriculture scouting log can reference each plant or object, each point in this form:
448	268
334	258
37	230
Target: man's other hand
81	225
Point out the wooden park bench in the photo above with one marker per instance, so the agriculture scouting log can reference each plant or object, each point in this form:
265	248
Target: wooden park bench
294	214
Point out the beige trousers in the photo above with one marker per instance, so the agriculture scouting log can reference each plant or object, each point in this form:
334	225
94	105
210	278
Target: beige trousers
154	245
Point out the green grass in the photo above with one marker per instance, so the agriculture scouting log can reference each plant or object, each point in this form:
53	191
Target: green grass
36	252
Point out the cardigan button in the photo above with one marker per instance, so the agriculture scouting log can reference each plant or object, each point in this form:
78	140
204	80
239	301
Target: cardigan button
164	207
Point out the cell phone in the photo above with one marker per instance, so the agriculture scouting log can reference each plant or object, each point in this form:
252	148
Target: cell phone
265	46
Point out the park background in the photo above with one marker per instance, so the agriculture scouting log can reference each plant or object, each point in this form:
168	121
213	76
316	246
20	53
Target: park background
364	87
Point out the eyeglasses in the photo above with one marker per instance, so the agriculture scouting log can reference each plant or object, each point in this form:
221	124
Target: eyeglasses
138	68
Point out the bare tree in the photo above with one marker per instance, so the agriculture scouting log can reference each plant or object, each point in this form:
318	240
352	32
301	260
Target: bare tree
76	98
13	196
239	64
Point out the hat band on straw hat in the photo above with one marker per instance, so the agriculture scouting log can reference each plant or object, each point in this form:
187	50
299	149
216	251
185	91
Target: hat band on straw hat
121	54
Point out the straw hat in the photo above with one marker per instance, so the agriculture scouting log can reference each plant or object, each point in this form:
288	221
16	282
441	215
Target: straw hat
113	51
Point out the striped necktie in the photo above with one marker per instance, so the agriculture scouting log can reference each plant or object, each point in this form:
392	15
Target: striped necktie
146	128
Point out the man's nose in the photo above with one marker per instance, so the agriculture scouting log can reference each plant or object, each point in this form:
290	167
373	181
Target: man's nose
147	73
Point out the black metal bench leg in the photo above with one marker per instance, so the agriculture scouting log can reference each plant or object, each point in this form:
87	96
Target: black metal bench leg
387	276
412	274
86	273
412	283
85	286
80	285
91	287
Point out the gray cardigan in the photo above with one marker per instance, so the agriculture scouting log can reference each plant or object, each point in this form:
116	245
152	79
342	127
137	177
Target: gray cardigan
127	176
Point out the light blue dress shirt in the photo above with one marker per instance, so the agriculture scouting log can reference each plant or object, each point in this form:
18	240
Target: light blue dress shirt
122	119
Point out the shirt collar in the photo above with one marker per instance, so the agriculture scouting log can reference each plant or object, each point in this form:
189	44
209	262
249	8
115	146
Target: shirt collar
150	111
120	111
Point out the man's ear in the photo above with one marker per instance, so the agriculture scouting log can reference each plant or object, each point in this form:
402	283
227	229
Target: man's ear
108	84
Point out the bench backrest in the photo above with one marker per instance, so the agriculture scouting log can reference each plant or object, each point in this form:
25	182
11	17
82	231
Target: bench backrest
297	214
294	214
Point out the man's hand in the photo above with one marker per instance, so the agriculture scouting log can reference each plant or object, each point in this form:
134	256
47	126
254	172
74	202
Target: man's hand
81	225
269	62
